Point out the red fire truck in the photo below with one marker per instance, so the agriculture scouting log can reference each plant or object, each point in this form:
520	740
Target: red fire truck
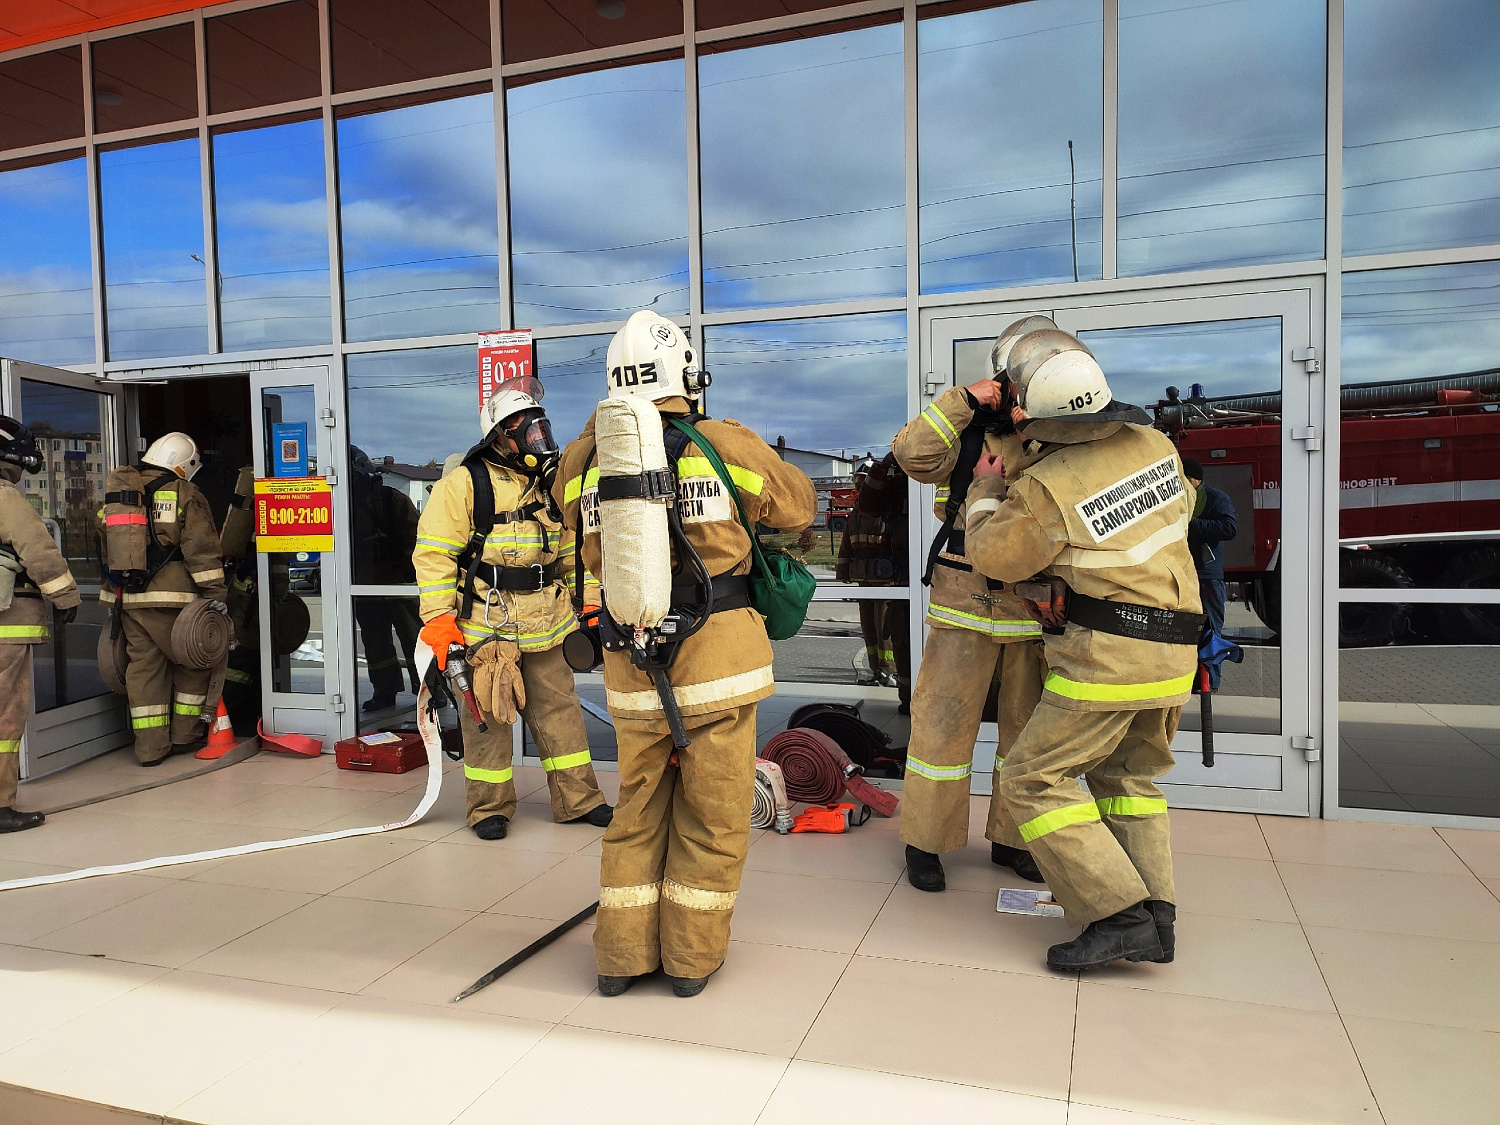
1419	502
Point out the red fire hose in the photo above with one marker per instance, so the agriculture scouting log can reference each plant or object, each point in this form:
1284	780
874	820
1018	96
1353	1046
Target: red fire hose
818	771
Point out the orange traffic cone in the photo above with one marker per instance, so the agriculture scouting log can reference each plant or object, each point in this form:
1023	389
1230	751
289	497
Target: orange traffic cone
221	738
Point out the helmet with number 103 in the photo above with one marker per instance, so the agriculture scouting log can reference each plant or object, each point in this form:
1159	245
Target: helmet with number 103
651	358
175	452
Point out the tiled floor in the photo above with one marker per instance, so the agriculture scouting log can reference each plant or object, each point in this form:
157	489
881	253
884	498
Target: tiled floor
1327	972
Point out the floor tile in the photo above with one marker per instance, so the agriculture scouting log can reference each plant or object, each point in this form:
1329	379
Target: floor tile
172	926
1080	1114
1479	850
35	1107
533	829
304	807
93	836
775	908
1237	835
971	869
547	986
340	944
1232	959
43	989
962	928
163	1042
872	856
945	1023
444	819
371	782
313	868
376	1062
1350	843
452	876
1238	888
1214	1060
559	892
1405	977
33	911
670	1082
846	1096
1421	1074
763	1000
1456	906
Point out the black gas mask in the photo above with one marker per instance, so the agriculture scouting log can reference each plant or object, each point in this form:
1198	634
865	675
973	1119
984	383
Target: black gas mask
525	442
998	421
18	446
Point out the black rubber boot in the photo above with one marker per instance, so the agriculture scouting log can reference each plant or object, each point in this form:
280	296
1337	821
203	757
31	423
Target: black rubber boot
189	747
13	821
924	870
1129	935
157	761
1018	860
492	827
379	702
1165	914
687	987
599	817
615	986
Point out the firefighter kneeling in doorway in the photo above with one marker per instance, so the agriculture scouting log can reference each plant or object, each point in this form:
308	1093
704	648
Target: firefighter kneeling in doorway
1099	513
162	553
493	562
31	568
673	858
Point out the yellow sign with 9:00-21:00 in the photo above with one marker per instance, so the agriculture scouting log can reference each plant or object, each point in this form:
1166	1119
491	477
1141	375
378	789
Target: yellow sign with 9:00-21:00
293	514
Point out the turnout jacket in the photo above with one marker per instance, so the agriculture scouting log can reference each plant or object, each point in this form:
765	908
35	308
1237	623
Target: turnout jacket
1105	507
928	448
534	620
727	663
180	518
23	533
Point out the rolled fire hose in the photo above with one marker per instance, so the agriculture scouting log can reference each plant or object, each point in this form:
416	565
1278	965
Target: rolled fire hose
864	742
818	771
290	624
772	809
113	658
431	739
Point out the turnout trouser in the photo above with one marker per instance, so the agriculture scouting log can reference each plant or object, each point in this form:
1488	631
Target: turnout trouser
378	619
15	708
166	699
1108	847
957	666
556	722
674	854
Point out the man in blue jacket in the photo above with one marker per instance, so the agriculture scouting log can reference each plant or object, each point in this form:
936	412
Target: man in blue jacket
1213	524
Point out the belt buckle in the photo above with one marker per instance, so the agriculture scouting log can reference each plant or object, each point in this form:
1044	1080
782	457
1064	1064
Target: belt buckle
541	575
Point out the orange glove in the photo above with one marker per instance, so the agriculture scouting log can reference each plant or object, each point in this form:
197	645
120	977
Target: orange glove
438	634
823	818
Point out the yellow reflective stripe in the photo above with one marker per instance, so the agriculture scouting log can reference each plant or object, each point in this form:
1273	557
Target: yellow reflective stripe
160	598
692	695
493	777
23	631
437	587
189	697
56	584
443	546
939	422
943	493
696	899
527	641
567	761
1117	693
206	577
1058	818
10	745
187	709
142	721
743	478
993	626
937	773
150	709
616	898
1132	806
574	488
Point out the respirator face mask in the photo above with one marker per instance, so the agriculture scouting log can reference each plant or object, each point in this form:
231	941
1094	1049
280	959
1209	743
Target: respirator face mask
534	447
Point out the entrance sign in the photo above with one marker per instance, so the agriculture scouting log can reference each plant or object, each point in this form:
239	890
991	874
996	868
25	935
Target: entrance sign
293	514
502	356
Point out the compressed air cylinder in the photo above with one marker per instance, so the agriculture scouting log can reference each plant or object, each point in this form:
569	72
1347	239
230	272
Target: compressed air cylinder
238	535
125	532
634	542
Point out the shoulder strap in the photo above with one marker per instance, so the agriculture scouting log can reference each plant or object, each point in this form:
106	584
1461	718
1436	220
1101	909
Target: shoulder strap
970	447
712	456
483	517
578	538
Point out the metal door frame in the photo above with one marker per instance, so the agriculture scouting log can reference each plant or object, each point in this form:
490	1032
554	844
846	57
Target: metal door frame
1299	303
74	732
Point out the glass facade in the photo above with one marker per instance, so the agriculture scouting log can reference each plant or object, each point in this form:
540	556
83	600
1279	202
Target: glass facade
46	302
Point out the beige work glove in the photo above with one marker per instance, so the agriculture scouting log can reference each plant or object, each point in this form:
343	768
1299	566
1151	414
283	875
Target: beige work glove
497	680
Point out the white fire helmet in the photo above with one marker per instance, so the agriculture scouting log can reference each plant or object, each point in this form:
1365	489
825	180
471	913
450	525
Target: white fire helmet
651	358
510	397
1059	378
175	452
1000	353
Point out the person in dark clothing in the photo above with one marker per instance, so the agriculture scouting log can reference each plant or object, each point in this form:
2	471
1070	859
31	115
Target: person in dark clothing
1213	524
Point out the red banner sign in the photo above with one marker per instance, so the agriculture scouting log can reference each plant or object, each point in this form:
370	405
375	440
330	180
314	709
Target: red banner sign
502	356
293	514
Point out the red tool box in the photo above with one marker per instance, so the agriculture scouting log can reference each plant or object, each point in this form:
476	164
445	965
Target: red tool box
382	752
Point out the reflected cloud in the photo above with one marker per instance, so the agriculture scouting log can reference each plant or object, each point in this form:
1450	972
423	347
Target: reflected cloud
1229	357
1421	323
46	282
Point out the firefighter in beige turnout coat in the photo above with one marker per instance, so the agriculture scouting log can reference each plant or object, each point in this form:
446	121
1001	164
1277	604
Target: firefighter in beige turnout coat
39	572
675	852
1104	506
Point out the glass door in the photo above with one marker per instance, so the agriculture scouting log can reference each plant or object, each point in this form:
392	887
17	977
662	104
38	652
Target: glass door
76	421
298	436
1227	378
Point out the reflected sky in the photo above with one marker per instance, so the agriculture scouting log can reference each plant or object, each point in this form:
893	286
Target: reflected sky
598	193
272	213
803	174
572	372
994	127
1221	133
153	228
831	385
1421	323
1229	357
415	406
1421	124
417	207
46	288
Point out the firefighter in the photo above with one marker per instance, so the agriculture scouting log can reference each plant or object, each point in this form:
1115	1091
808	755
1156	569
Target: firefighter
385	537
1099	509
872	552
155	515
978	629
675	852
31	568
492	563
